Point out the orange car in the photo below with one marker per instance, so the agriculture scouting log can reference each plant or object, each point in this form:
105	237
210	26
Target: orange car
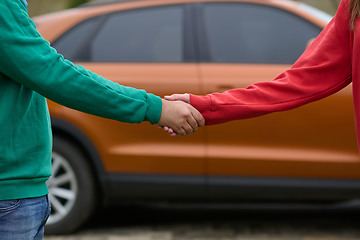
197	46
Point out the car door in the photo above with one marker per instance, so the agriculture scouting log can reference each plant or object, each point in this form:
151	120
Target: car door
244	43
145	48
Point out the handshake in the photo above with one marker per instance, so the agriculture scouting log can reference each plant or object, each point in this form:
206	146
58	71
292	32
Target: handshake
178	117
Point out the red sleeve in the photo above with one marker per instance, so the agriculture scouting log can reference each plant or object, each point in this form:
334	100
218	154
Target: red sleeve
323	69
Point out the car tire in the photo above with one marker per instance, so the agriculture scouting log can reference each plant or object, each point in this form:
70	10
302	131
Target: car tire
71	189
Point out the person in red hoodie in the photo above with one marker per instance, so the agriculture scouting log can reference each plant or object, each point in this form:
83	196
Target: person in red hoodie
330	63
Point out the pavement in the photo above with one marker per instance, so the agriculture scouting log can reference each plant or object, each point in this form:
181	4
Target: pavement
220	224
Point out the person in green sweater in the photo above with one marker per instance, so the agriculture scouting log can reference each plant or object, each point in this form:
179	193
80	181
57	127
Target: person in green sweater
31	70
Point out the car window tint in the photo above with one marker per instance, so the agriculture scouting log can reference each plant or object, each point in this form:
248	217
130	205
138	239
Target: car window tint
254	33
146	35
72	44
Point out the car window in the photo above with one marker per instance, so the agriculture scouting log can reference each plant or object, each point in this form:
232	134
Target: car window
146	35
255	33
73	44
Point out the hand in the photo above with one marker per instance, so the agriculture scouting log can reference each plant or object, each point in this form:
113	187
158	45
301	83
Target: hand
179	97
181	117
176	97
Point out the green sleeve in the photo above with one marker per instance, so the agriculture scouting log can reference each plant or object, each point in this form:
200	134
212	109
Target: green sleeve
28	59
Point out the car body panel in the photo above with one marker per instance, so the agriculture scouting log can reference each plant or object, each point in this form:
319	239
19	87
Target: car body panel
316	141
303	142
142	148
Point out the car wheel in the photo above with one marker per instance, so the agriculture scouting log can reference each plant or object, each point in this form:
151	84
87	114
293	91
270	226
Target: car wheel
71	189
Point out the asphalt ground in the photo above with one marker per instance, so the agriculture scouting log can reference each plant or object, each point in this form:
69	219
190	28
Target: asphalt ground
222	222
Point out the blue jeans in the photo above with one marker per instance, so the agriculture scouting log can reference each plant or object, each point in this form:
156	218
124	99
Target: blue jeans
23	219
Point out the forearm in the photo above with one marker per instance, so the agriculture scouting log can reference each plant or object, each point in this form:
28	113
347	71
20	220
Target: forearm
322	70
28	59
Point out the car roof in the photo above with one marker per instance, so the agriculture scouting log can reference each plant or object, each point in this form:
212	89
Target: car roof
103	2
63	20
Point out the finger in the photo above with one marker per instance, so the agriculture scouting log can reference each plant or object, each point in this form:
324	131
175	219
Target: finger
173	97
169	130
193	123
173	134
198	117
178	128
188	128
179	97
181	132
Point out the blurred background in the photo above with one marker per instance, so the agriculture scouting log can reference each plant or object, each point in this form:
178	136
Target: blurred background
38	7
217	222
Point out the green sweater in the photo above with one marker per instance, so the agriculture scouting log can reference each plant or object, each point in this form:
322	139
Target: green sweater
31	70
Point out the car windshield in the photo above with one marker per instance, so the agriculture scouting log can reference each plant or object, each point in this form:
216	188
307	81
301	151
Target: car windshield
316	12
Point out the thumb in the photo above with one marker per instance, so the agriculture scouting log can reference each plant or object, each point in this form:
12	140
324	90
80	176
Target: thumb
179	97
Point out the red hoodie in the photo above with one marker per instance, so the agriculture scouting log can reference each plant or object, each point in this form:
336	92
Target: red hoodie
324	68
